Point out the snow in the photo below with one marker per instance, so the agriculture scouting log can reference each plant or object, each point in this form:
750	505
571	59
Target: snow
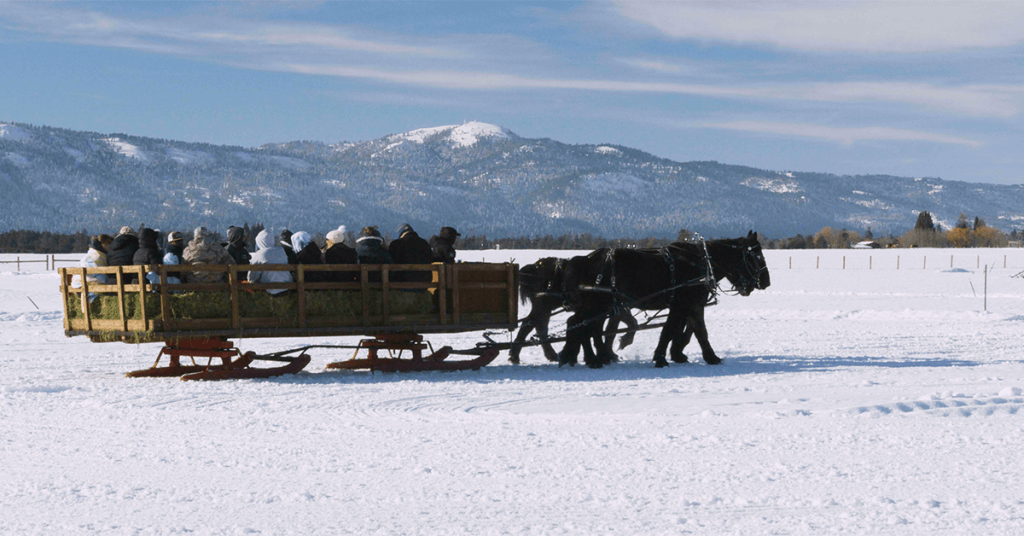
189	157
79	156
17	159
464	135
859	401
127	149
777	186
14	133
604	149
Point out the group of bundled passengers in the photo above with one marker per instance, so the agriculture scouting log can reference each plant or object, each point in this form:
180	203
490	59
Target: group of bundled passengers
129	248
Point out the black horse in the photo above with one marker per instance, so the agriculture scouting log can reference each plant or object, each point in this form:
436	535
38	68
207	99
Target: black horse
682	277
540	283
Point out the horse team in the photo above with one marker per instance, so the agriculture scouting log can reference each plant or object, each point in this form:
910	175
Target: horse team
607	284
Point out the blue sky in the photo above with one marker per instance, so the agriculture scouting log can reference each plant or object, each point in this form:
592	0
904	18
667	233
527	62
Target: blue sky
909	88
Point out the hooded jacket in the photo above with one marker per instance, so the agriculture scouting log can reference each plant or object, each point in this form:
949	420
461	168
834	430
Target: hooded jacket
173	258
205	250
148	253
307	252
236	248
94	258
236	245
267	252
122	250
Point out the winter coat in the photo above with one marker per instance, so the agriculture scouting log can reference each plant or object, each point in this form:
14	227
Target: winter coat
443	249
339	253
205	250
370	250
308	253
94	258
236	248
148	253
173	258
122	250
269	253
286	243
411	249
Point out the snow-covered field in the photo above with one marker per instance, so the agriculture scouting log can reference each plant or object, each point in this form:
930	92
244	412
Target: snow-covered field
851	401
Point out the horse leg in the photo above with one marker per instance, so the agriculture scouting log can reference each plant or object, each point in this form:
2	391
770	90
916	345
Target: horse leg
573	340
668	333
701	331
680	342
542	333
593	333
524	330
627	338
605	340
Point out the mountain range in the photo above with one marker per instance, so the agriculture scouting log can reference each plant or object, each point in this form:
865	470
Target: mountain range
479	178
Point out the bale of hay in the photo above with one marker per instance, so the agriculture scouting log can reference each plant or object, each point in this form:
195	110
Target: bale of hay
335	304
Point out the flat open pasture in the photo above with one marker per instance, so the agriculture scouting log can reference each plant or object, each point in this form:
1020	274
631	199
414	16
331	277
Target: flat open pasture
864	392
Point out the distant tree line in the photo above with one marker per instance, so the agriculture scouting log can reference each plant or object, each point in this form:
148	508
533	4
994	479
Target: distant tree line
24	241
926	233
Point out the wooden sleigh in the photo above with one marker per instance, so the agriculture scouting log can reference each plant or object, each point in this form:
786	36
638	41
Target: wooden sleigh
196	321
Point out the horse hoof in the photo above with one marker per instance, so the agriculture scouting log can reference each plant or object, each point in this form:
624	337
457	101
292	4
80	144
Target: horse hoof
713	360
680	359
513	360
660	364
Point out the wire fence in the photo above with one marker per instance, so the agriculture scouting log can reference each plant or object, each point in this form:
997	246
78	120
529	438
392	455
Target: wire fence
896	260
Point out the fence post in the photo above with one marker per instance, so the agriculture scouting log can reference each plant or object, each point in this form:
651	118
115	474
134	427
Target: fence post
19	263
817	262
1004	261
950	261
844	262
870	262
791	263
897	262
979	263
986	288
924	264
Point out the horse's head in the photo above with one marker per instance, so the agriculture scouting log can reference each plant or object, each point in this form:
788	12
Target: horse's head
742	262
541	276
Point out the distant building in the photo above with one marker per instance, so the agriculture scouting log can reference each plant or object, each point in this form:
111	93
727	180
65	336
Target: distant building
867	244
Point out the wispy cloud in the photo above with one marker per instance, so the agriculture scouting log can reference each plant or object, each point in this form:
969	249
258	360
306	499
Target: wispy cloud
838	25
202	36
454	63
981	101
844	135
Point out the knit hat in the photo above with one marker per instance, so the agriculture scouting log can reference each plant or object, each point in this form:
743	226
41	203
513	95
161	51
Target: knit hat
286	238
369	233
174	236
402	229
126	231
337	236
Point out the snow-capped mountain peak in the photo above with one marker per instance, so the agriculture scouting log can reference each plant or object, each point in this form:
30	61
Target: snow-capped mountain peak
464	135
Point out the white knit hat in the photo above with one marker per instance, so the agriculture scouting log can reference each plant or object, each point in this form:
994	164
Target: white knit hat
337	236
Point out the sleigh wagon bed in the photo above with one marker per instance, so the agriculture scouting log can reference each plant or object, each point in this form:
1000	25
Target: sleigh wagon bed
195	320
